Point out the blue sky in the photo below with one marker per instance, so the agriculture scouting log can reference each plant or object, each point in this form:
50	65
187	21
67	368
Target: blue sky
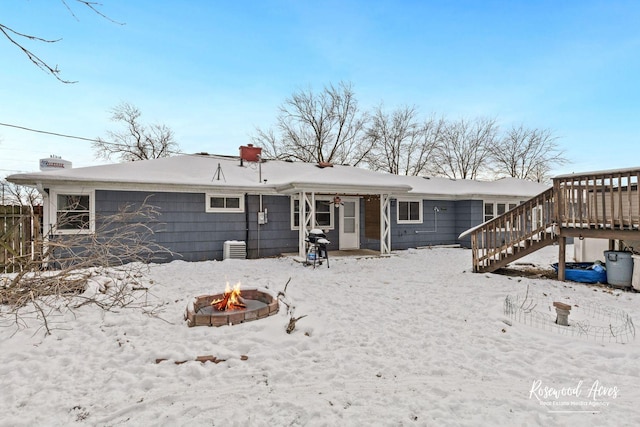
214	70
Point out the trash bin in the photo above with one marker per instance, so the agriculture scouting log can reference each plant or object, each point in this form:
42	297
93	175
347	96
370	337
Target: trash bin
635	279
619	268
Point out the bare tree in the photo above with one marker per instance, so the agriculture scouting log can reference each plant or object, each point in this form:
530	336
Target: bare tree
423	146
400	144
19	195
324	127
389	135
527	154
136	141
17	38
464	152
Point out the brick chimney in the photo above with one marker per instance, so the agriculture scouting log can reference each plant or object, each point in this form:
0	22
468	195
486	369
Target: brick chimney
250	153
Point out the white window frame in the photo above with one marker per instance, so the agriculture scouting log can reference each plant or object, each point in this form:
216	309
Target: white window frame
209	209
508	205
53	216
331	212
410	221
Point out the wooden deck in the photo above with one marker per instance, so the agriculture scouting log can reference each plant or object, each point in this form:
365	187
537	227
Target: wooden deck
603	205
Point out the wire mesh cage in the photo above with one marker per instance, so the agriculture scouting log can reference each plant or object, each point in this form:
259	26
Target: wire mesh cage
590	321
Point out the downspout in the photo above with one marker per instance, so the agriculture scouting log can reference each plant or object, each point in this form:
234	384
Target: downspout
246	222
259	225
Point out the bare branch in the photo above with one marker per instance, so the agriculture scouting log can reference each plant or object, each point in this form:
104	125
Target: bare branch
324	127
93	6
136	141
32	56
400	144
527	154
464	151
112	260
9	32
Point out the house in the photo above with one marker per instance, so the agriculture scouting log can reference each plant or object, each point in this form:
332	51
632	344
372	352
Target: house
206	200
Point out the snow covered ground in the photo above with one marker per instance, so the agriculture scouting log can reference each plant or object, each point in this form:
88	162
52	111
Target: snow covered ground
414	339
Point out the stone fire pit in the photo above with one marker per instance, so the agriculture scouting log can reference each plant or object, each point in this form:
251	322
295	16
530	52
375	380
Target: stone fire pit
259	304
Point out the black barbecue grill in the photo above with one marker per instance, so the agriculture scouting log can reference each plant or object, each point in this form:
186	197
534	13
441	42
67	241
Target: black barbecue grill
317	247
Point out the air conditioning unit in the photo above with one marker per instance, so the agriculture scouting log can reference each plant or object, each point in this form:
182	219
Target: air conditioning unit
234	249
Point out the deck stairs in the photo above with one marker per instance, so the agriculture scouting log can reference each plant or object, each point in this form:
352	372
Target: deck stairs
514	234
604	205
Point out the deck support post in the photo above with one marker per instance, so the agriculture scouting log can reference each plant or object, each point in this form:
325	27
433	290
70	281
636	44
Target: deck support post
562	255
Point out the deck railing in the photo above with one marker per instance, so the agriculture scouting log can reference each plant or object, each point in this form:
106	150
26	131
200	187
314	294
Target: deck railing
607	200
518	232
597	204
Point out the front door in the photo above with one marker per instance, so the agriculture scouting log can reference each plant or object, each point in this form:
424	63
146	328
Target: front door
350	223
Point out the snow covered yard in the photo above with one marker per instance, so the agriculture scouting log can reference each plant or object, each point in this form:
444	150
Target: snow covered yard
414	339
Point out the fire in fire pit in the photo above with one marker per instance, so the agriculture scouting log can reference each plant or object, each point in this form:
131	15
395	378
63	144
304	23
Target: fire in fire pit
231	300
231	307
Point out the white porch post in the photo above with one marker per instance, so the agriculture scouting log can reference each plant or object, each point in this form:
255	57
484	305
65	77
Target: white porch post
302	215
307	207
385	224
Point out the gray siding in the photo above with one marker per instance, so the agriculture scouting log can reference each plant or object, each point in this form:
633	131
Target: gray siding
437	227
441	227
275	237
183	226
469	213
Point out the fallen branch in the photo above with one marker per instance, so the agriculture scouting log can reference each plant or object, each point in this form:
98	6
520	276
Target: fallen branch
44	316
292	323
202	359
283	295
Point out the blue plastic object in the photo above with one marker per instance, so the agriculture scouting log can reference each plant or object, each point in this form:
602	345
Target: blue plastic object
583	272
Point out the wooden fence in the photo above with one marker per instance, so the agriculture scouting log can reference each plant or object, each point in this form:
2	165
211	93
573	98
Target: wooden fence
20	236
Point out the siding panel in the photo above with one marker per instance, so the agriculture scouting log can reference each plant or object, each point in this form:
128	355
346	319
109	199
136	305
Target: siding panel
437	227
183	226
469	213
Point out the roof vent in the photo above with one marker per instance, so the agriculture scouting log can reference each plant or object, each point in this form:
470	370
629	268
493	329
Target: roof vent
250	153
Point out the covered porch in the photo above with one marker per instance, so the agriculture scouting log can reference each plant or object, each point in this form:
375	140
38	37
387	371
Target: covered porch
347	199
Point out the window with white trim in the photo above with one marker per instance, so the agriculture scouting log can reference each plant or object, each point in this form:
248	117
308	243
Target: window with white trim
73	212
224	203
494	209
409	212
324	213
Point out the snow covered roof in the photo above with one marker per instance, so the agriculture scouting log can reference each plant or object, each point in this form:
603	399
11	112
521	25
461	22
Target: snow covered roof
225	173
468	188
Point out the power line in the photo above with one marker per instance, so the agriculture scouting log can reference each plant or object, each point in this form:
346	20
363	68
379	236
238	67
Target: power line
115	144
50	133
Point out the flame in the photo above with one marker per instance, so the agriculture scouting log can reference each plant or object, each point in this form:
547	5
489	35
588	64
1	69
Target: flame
231	299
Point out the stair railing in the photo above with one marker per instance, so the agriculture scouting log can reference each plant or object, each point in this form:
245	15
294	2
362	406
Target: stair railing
517	231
